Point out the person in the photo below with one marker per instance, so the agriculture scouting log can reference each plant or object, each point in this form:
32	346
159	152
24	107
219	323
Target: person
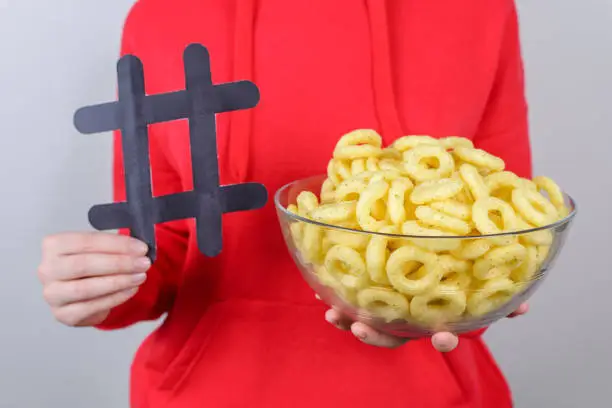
243	329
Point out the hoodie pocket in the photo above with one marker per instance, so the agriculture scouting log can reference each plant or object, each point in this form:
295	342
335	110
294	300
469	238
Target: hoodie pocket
193	351
263	354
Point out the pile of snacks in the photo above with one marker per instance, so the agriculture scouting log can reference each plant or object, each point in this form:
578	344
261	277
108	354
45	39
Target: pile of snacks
456	203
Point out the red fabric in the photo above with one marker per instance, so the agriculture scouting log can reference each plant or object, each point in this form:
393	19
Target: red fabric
243	329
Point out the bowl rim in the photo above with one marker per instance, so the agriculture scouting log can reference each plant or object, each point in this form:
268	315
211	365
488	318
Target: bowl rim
566	220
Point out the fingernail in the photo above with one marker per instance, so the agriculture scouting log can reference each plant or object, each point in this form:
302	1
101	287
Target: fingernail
139	247
139	278
445	342
331	320
361	334
130	292
142	264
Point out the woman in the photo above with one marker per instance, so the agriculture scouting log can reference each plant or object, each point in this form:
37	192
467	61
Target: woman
243	329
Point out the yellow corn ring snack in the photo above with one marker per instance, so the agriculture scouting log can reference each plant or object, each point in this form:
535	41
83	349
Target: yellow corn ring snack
412	270
444	303
418	166
384	302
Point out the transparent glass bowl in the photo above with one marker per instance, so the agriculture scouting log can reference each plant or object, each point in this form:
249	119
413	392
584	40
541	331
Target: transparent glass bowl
415	286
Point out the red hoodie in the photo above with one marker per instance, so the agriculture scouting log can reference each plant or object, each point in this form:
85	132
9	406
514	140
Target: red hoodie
244	329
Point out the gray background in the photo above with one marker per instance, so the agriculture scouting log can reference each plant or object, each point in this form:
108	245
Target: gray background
57	55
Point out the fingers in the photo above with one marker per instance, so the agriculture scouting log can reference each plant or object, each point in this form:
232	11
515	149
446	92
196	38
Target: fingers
374	338
92	242
62	293
444	342
337	319
522	309
92	311
85	265
85	275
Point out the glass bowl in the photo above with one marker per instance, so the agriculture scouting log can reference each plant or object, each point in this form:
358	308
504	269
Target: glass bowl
414	286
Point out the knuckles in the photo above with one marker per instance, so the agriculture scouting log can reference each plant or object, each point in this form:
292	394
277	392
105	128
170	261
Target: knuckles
50	244
45	272
68	317
78	265
48	295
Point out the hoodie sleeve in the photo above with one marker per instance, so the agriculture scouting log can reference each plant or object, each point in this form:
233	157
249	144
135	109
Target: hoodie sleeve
504	128
156	294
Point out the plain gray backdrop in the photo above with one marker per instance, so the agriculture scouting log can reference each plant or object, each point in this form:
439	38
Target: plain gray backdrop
57	55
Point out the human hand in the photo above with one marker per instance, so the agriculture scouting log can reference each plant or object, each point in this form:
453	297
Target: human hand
86	274
443	341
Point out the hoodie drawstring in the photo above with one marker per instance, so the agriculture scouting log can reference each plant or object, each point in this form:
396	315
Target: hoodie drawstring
384	95
241	123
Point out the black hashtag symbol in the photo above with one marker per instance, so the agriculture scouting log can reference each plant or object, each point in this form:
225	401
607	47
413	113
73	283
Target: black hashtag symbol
199	102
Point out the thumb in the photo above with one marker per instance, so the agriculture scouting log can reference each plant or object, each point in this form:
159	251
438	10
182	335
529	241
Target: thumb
444	342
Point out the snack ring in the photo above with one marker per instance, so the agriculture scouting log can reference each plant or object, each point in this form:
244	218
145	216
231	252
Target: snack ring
507	222
396	202
479	158
412	270
386	303
455	272
346	266
435	190
453	208
500	262
534	207
413	228
366	206
453	142
377	254
328	191
409	142
438	219
338	170
443	304
493	293
474	183
501	184
417	162
362	143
